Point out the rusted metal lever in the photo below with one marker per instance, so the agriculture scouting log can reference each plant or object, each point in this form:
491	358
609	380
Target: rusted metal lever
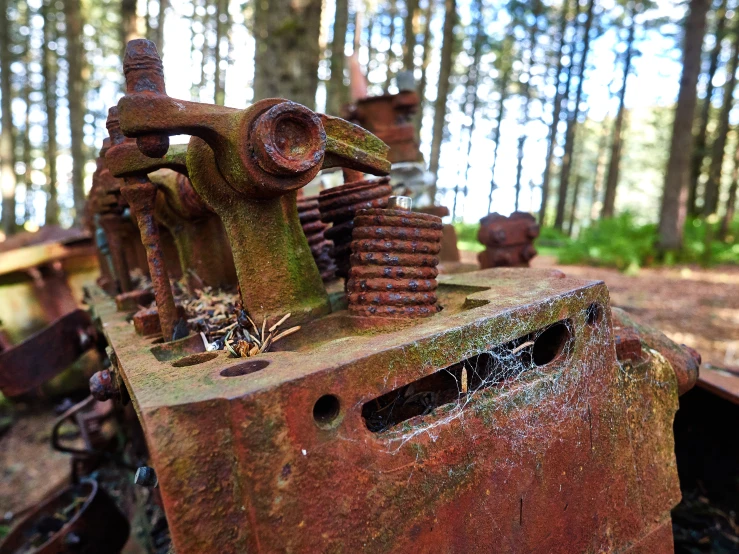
125	161
247	166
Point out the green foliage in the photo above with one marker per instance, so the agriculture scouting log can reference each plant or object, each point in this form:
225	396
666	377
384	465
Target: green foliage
622	243
467	236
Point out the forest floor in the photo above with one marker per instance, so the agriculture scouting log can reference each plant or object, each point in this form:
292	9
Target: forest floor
694	306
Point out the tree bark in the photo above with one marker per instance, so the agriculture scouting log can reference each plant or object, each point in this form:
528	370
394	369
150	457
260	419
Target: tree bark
27	146
393	12
701	139
504	70
129	21
7	154
409	44
523	121
287	50
609	201
731	201
48	71
428	13
223	23
713	184
76	101
572	123
159	34
442	90
674	198
337	93
556	110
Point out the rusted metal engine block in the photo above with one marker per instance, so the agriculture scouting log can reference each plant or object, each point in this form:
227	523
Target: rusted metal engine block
509	241
503	422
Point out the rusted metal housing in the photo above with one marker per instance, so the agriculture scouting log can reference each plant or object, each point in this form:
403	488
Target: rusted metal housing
390	118
339	205
314	229
551	445
509	241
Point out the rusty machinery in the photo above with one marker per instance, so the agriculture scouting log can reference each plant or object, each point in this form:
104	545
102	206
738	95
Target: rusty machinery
504	409
508	241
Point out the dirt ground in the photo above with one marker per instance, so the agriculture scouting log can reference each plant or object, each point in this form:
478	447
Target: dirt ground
694	306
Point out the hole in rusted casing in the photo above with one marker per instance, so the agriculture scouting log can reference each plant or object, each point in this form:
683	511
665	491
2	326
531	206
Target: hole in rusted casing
549	344
195	359
245	368
496	368
326	410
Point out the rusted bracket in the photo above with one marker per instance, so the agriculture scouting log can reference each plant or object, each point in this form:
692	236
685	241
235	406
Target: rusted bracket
247	166
46	354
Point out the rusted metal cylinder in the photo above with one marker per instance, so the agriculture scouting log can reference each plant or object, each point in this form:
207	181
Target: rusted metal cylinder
314	228
393	264
340	204
508	240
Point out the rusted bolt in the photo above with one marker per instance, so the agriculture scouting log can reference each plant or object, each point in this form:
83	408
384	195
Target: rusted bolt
146	477
103	386
290	139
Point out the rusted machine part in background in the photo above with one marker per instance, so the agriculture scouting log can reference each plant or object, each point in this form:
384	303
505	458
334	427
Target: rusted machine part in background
685	361
140	193
314	228
390	118
393	264
96	526
204	253
340	204
542	381
131	301
141	196
449	249
147	322
45	354
508	241
246	165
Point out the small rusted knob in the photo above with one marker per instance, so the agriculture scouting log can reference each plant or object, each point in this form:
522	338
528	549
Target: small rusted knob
145	74
288	138
103	386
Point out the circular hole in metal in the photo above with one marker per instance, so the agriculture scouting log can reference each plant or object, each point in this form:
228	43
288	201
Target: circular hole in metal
195	359
326	410
548	346
244	368
594	314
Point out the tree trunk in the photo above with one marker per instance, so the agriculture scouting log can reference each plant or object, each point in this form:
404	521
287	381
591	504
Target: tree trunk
556	111
337	93
609	202
701	139
7	154
159	34
473	78
76	102
572	123
599	172
672	212
409	44
731	201
223	23
573	206
428	13
713	184
27	146
48	71
506	66
129	21
442	90
287	50
524	120
393	12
